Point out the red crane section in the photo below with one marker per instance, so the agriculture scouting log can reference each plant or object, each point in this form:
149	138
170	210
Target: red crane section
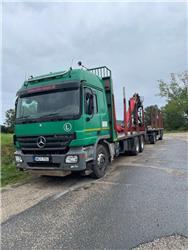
133	117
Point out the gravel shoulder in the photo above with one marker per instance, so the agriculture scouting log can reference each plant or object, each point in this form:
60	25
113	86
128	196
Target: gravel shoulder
174	242
16	199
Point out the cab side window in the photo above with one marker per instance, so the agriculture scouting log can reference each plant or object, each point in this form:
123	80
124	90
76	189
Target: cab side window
87	99
87	93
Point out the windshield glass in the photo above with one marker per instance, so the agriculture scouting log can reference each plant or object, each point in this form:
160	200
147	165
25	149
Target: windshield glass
64	103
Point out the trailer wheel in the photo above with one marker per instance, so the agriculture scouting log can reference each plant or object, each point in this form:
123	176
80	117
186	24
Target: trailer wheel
135	149
141	144
153	138
161	135
101	163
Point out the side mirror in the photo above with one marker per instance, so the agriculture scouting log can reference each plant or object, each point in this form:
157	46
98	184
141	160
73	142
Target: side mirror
16	103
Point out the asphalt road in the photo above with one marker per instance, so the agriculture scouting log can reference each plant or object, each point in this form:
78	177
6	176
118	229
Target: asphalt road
140	199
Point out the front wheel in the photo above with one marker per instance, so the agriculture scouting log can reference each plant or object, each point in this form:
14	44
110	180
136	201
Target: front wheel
101	162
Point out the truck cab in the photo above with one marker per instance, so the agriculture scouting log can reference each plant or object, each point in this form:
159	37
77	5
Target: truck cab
64	123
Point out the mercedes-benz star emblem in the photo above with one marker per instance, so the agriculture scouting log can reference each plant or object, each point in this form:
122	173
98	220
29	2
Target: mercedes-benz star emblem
41	142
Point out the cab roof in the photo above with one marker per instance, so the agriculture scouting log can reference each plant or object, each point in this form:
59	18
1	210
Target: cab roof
63	76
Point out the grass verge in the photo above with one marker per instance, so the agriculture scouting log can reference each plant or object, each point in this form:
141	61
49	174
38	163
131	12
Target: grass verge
9	173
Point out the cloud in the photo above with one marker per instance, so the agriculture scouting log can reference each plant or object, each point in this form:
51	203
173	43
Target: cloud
139	42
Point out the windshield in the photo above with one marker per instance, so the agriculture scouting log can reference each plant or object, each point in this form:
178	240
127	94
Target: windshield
64	103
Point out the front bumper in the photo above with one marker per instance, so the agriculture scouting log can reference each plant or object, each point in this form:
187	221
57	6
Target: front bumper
56	163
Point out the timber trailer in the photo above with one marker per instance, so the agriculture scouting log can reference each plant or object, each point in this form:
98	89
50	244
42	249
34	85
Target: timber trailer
66	122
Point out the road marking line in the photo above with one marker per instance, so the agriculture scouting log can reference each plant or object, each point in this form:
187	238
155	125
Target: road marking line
113	183
57	196
78	186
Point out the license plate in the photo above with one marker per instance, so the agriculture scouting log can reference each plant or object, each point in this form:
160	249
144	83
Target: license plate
42	158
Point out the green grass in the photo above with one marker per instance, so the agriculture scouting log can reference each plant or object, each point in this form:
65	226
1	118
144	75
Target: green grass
9	173
6	139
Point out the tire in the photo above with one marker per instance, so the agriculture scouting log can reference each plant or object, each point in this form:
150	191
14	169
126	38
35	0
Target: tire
101	163
135	149
153	139
141	143
161	135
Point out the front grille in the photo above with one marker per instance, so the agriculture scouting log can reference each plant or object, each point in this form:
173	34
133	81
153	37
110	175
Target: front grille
54	144
34	151
43	164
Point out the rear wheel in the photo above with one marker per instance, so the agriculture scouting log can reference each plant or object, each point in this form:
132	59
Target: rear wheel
141	143
101	162
135	149
161	135
153	138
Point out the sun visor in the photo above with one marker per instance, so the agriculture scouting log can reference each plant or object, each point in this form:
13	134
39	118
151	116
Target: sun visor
49	88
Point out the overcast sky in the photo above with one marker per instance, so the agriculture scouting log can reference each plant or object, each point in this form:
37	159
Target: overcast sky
140	42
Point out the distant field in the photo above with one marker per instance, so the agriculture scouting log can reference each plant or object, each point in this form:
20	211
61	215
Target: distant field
9	173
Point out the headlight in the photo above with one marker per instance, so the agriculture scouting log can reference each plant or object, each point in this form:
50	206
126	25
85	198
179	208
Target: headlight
71	159
18	158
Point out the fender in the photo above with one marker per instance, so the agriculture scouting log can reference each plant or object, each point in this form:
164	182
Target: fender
103	139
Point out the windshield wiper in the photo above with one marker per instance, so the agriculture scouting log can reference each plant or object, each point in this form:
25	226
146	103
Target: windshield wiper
22	119
25	116
48	115
51	116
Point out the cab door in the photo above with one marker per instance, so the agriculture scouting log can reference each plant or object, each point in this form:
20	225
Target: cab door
91	115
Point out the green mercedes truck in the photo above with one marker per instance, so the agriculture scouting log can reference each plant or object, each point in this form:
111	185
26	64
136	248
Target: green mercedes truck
66	121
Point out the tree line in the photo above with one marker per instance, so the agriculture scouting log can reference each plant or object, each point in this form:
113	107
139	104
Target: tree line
175	111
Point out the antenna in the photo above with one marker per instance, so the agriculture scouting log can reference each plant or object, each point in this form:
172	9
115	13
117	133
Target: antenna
71	63
70	69
81	65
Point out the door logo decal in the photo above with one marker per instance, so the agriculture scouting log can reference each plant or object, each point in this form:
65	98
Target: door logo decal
67	127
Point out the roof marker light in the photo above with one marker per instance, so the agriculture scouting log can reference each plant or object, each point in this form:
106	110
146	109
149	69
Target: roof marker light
40	89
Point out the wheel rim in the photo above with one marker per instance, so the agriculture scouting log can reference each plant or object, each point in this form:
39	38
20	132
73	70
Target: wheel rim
142	144
137	147
101	161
